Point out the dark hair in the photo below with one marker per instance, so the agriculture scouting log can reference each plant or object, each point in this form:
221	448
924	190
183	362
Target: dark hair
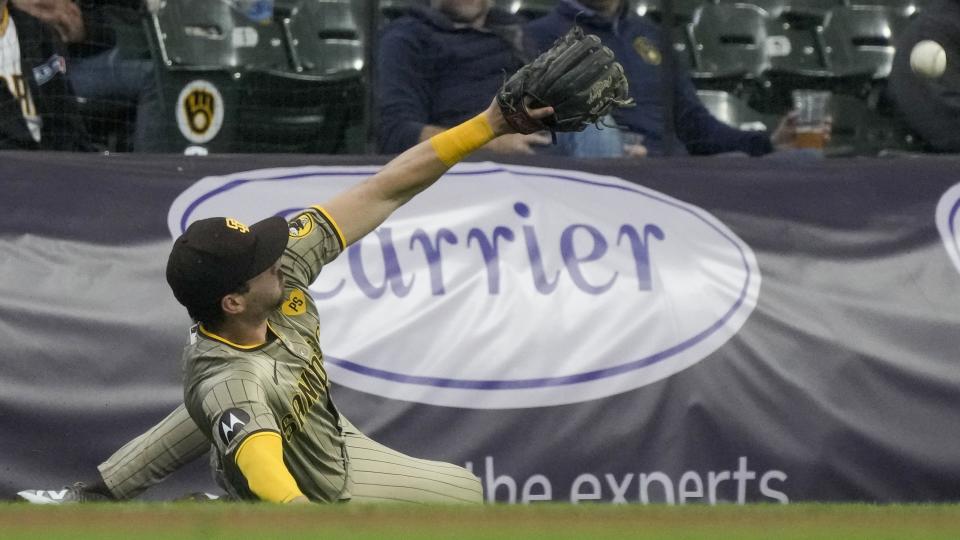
211	315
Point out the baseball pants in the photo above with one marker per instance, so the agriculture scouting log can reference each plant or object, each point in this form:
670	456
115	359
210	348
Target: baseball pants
376	473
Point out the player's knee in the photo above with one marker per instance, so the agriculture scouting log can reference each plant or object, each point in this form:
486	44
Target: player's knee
478	493
474	487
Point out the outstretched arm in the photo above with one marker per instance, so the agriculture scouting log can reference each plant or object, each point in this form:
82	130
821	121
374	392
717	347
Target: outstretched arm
362	208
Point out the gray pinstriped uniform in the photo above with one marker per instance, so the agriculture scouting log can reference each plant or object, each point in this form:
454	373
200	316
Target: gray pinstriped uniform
233	392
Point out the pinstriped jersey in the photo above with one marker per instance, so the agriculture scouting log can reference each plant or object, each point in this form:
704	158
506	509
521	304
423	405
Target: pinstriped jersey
232	391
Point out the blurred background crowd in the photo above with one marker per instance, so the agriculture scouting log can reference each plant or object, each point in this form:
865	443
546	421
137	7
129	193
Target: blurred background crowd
359	77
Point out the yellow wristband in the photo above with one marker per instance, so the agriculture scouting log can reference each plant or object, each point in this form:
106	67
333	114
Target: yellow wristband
458	142
260	460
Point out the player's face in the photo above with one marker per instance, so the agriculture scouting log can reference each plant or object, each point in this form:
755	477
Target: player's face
462	11
266	290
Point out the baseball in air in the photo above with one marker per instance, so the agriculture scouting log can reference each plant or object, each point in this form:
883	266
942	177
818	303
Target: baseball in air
928	59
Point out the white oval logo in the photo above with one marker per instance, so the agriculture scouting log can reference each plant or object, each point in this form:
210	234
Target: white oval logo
199	111
507	286
948	223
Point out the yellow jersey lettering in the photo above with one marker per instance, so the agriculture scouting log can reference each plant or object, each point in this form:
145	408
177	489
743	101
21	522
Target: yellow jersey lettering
298	409
307	390
289	426
237	226
311	386
316	366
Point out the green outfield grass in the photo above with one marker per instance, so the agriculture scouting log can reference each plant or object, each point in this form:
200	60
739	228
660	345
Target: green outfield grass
175	521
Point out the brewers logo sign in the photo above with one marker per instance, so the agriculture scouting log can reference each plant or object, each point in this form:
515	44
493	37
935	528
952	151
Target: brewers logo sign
647	50
199	111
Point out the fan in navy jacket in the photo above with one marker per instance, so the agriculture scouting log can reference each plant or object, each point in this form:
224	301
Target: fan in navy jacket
635	42
37	107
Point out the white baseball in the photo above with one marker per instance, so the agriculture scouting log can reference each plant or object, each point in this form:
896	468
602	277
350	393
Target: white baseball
928	59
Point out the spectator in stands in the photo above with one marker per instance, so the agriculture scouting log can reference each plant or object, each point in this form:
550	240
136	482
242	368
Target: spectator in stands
930	106
636	43
424	55
439	65
98	69
37	107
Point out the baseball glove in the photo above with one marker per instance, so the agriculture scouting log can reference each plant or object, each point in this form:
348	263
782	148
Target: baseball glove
578	77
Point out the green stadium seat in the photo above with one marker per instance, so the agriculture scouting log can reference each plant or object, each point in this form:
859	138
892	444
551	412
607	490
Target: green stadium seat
529	9
860	40
294	83
907	8
772	8
683	9
110	121
734	111
729	44
391	9
860	129
816	8
323	38
795	49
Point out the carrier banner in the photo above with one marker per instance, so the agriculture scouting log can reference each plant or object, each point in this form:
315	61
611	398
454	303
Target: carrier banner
689	331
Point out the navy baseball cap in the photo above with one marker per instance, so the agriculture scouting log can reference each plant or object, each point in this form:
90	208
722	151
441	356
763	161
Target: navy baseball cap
215	256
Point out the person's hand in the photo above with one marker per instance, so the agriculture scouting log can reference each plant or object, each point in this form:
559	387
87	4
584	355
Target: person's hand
786	131
633	145
634	150
499	124
62	15
516	143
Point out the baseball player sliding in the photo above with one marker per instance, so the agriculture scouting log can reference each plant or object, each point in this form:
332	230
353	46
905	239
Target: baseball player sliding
255	385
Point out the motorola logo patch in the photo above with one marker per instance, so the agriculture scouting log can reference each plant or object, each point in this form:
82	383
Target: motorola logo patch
231	423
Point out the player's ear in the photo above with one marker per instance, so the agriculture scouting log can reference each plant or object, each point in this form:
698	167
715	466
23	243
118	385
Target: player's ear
233	304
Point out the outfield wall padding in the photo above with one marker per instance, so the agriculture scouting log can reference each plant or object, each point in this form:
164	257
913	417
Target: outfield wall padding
684	331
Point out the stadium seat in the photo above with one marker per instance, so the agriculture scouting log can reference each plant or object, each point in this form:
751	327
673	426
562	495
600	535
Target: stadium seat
298	115
735	112
236	85
772	8
859	41
110	122
391	9
795	49
207	35
860	129
339	48
529	9
729	44
323	37
817	8
907	8
683	9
